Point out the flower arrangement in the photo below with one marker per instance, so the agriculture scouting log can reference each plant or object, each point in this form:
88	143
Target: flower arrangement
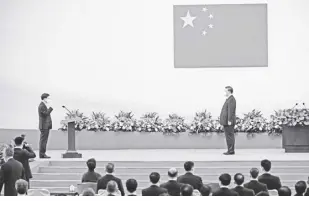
202	123
99	122
174	124
292	117
124	122
149	122
79	125
254	122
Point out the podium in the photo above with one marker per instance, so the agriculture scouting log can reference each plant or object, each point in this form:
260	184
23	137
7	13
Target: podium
71	152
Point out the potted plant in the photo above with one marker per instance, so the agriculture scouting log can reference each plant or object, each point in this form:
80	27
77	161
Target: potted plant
124	122
79	125
149	122
174	124
254	122
202	123
98	122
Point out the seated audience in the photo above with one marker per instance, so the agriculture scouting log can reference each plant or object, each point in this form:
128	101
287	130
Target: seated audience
112	189
262	193
300	188
284	191
154	189
131	185
205	190
172	186
21	187
102	182
186	190
254	184
307	191
189	177
88	192
240	189
225	181
272	182
91	175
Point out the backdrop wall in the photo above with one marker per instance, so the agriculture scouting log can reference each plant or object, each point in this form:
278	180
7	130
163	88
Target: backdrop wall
118	55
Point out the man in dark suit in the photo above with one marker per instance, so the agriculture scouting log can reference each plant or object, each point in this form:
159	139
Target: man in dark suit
10	172
272	182
240	189
284	191
225	181
172	186
254	184
228	120
154	189
102	183
91	175
45	123
300	188
131	185
189	177
22	153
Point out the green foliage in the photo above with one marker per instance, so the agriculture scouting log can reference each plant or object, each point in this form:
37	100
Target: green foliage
149	122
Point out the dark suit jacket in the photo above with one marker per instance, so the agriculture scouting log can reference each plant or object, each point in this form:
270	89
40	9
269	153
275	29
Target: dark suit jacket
228	112
91	177
10	172
172	187
189	178
307	192
298	194
225	192
272	182
243	191
102	183
23	155
153	190
45	121
256	186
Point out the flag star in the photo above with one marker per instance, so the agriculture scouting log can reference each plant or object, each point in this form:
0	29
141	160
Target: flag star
188	20
211	16
211	26
204	9
204	33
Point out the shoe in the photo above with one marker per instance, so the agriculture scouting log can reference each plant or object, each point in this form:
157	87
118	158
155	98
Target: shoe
229	153
45	156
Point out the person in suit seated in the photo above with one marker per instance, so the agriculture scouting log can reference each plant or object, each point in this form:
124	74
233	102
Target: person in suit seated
172	186
262	193
22	153
225	181
88	192
272	182
10	172
240	189
91	175
300	188
307	191
189	177
131	185
154	189
284	191
102	182
112	189
186	190
21	187
254	184
205	190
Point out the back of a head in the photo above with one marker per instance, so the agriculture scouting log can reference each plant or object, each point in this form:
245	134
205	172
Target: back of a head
154	177
205	190
91	164
300	187
111	187
262	193
8	152
225	179
266	165
18	141
44	95
188	166
284	191
110	168
21	186
131	185
254	172
88	192
172	173
186	190
239	179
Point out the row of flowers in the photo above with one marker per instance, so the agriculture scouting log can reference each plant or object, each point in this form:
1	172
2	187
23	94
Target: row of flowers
203	122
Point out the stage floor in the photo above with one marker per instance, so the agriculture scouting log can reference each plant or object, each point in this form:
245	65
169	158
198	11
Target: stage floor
181	155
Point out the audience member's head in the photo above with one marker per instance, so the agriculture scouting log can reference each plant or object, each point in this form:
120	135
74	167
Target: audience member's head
19	141
196	193
254	173
300	187
228	90
164	194
225	179
154	177
205	190
112	187
186	190
239	179
8	153
189	166
91	164
172	173
131	185
110	168
262	193
284	191
21	187
88	192
266	165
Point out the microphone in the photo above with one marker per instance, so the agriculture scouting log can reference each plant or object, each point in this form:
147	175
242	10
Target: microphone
295	106
67	109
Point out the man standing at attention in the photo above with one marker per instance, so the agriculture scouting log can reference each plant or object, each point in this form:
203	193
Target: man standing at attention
45	123
228	120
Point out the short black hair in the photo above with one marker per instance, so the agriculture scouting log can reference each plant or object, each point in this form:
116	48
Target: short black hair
266	164
262	193
205	190
172	172
44	95
18	140
186	190
239	178
284	191
131	185
188	165
225	179
91	164
230	89
154	177
109	168
254	172
300	187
